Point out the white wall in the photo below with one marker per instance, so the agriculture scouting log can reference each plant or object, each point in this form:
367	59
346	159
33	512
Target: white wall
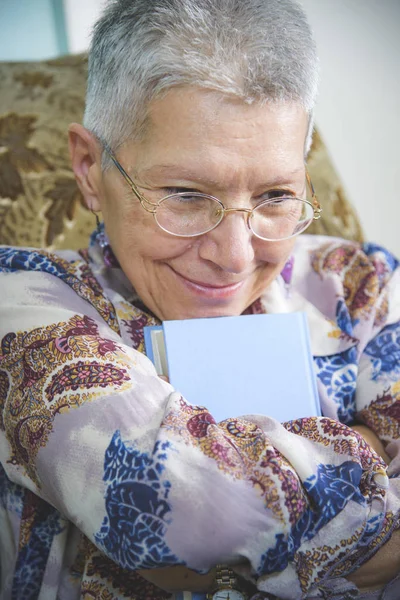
358	112
80	16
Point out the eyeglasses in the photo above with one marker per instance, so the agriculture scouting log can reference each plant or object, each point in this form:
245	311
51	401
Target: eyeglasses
190	214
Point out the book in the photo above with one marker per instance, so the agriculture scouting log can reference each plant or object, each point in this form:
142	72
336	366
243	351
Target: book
236	366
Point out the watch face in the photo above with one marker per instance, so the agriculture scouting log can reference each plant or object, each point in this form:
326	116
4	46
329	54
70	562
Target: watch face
228	594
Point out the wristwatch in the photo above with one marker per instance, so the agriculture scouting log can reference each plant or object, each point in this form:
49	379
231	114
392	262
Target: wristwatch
226	586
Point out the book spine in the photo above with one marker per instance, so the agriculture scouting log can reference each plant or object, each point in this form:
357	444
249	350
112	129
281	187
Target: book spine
148	346
310	364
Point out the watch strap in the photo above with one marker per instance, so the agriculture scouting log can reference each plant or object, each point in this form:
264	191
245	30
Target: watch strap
225	577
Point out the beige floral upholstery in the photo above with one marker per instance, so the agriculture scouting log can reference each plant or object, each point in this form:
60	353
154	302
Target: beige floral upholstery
40	204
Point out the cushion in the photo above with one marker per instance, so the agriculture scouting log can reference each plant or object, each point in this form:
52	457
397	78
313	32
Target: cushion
40	204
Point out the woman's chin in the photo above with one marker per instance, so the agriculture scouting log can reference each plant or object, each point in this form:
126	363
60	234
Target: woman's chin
205	311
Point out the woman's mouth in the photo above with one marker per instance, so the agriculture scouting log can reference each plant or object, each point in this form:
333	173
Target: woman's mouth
210	290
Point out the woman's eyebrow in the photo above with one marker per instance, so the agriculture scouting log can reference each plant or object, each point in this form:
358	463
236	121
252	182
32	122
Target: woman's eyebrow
177	172
183	173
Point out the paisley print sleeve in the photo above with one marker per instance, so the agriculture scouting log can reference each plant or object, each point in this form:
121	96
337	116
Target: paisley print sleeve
362	295
87	426
378	383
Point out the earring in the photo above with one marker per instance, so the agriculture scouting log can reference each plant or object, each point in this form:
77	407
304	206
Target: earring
287	273
104	243
98	224
100	233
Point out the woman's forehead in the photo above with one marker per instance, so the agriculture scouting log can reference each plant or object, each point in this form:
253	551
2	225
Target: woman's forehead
194	111
190	130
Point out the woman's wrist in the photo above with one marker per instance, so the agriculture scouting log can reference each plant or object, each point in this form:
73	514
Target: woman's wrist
372	439
381	568
176	579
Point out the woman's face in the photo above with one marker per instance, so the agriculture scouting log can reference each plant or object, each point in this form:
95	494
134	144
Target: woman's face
202	141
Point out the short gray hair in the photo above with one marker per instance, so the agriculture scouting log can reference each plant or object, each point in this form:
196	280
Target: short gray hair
255	50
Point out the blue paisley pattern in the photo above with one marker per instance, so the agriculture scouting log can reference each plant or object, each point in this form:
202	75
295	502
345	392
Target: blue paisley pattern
391	261
338	373
343	318
11	494
384	351
179	488
16	260
33	556
136	503
330	489
30	260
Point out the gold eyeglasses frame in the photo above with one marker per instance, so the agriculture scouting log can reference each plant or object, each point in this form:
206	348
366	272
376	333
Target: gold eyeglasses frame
151	207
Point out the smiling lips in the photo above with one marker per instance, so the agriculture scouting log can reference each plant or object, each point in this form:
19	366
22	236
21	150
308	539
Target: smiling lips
210	291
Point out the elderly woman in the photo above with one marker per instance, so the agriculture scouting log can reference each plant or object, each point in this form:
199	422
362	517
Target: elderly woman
197	125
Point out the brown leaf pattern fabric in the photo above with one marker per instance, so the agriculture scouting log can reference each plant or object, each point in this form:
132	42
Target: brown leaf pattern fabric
40	204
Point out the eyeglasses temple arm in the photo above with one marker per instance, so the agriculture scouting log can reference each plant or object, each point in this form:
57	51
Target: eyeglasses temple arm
129	181
316	204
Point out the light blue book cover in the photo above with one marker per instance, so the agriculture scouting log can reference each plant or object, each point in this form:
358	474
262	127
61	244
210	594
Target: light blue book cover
148	344
251	364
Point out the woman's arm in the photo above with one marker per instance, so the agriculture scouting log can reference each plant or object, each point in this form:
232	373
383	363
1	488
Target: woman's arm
153	482
177	579
372	439
372	575
381	568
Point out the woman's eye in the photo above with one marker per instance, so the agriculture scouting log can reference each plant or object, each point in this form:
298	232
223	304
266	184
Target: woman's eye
179	190
278	194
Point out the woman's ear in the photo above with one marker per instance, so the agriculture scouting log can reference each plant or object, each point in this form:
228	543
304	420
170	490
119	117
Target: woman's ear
85	155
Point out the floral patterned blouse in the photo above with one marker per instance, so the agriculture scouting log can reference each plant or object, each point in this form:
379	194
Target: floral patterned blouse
105	469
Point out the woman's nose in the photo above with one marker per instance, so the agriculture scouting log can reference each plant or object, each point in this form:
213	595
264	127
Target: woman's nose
230	245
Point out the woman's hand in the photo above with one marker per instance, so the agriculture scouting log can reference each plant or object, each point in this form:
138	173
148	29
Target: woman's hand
385	565
176	579
372	439
373	574
381	568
